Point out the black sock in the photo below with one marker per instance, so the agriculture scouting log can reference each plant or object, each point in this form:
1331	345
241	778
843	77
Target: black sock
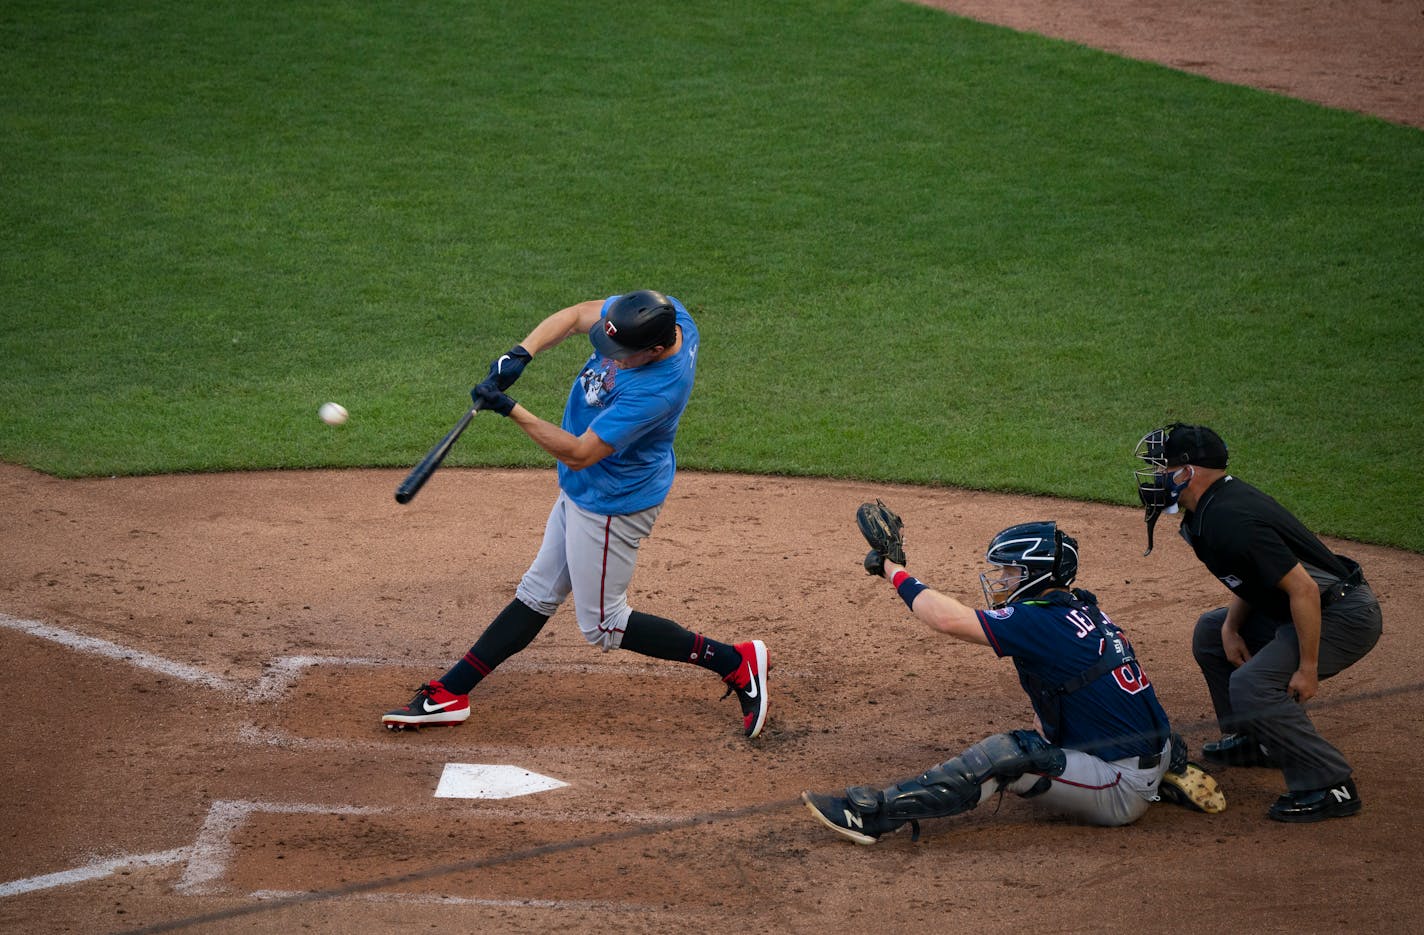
514	628
661	638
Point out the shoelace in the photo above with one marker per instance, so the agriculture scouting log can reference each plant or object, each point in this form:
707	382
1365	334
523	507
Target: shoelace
751	677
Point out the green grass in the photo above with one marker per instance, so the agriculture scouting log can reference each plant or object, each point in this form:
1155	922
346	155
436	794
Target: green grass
920	249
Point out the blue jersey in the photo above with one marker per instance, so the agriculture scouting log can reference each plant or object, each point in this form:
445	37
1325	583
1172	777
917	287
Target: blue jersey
636	412
1115	715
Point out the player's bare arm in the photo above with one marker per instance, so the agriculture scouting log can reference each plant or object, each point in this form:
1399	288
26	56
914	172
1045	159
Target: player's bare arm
566	322
1305	616
943	613
576	451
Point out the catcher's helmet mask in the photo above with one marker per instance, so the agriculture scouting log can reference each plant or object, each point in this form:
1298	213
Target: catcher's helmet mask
635	322
1034	557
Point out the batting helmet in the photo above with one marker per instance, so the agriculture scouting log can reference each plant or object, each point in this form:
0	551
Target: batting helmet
635	322
1040	555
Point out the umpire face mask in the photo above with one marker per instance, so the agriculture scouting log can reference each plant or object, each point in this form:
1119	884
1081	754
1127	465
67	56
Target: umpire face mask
1157	485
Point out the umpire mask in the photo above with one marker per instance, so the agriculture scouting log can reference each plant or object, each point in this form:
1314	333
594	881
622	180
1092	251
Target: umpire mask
1155	485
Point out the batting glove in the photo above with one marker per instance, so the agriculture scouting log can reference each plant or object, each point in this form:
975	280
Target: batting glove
487	396
504	371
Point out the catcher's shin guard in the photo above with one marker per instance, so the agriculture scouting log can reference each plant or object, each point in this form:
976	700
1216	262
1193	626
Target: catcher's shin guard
956	785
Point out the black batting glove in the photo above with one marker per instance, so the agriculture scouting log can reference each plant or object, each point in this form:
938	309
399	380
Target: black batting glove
504	371
488	396
875	564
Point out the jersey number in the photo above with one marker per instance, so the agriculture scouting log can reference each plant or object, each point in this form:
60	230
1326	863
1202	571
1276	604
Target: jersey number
1130	679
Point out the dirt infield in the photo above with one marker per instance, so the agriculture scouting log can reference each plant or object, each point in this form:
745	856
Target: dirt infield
1360	55
195	667
222	745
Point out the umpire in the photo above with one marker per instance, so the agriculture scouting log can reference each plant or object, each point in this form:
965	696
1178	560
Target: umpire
1298	613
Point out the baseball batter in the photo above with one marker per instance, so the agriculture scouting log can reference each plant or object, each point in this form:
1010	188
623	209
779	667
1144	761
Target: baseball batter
1103	744
616	466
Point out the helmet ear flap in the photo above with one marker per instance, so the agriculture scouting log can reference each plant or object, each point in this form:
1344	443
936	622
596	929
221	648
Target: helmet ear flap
1065	558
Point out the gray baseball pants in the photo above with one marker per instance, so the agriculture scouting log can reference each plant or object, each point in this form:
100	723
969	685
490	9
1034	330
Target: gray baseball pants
1254	699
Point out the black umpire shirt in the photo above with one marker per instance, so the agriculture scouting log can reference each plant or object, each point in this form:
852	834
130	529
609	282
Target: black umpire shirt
1249	541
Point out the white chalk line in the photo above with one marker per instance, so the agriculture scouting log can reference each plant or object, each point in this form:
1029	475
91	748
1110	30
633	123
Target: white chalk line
94	870
209	856
280	674
90	644
207	859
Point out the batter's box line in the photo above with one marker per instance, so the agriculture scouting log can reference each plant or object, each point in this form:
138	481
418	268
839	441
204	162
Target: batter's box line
370	886
94	870
79	642
210	854
279	675
205	860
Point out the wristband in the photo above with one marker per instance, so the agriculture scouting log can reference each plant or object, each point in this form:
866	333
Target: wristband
908	587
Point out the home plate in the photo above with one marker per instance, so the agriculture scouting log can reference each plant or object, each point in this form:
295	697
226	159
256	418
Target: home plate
490	781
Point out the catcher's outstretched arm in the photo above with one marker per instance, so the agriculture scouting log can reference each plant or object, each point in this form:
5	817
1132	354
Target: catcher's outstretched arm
938	611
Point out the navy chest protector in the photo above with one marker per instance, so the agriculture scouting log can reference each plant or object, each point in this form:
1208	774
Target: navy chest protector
1048	698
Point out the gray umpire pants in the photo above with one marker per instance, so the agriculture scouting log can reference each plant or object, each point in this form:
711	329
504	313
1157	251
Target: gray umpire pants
1253	699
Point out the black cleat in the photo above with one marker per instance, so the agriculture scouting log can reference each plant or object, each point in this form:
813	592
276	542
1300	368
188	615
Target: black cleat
1237	750
841	816
432	706
1338	801
749	684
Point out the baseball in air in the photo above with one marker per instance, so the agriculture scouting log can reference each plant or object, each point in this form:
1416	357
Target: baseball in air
332	413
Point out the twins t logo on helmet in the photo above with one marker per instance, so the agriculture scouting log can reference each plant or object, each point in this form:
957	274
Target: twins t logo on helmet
609	328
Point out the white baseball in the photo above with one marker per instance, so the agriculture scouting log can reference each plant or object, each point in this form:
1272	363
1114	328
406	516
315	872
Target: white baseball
332	413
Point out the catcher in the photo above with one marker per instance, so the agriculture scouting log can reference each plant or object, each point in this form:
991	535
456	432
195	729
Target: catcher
1103	749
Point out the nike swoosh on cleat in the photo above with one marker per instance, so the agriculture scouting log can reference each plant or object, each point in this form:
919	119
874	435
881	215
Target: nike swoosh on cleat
751	689
436	707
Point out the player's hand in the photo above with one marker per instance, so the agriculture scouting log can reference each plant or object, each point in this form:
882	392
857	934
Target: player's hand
1303	686
507	368
1236	652
487	396
875	564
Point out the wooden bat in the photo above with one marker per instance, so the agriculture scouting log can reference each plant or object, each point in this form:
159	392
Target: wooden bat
421	472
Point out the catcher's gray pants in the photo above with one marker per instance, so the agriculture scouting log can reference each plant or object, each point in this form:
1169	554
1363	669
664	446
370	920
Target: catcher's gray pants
1254	698
1094	791
591	555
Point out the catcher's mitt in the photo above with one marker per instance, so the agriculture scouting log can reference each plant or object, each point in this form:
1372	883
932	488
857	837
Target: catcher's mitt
883	530
1192	788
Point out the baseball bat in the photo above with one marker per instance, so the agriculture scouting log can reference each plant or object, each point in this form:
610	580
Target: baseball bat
421	472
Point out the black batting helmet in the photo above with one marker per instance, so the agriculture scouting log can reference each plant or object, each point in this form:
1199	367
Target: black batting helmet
635	322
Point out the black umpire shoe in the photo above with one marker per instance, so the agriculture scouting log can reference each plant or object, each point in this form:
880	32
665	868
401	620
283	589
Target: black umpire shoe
1337	801
1237	750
